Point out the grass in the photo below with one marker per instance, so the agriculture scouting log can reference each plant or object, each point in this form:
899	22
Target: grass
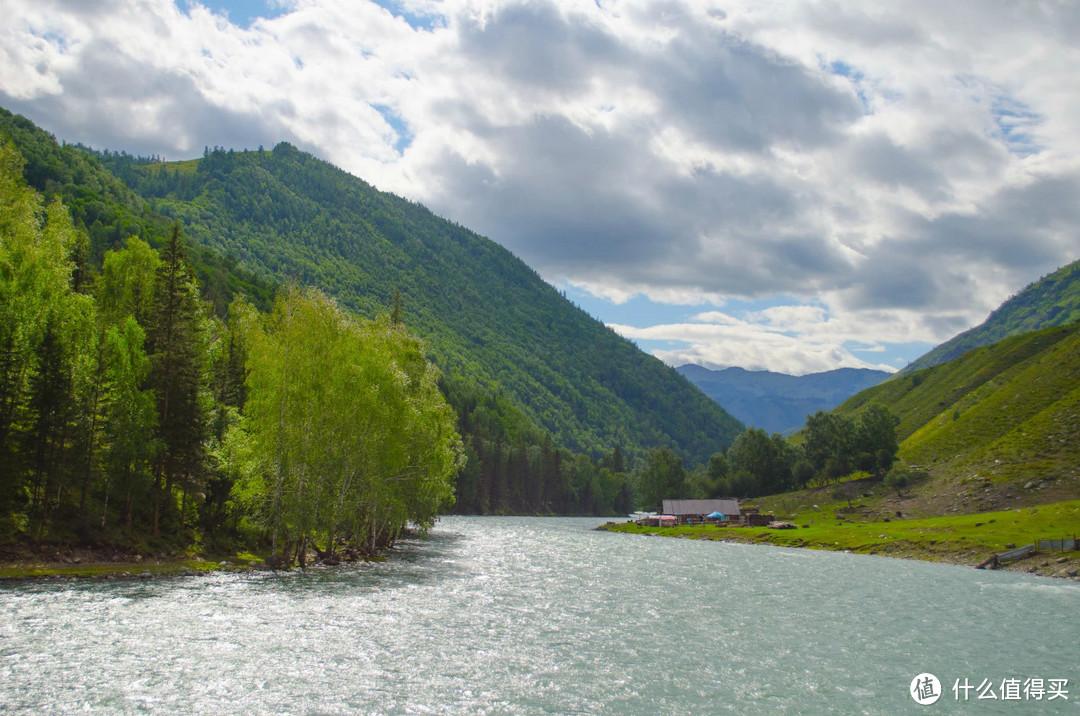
152	567
959	539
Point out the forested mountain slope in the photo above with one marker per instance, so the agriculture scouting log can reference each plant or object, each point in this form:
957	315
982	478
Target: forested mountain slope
1053	300
109	212
1008	411
487	316
776	402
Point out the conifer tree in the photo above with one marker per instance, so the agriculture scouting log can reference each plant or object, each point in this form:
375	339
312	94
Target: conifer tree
176	348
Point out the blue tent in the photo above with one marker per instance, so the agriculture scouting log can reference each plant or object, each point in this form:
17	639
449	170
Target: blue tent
714	515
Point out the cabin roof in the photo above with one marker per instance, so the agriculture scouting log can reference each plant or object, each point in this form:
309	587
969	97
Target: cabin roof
701	507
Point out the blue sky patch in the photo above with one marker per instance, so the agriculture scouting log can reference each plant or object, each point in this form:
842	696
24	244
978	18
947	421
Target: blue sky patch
404	135
1015	120
243	12
417	22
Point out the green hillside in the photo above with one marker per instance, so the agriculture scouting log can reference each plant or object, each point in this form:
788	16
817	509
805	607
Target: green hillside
256	218
487	316
108	211
1051	301
1009	412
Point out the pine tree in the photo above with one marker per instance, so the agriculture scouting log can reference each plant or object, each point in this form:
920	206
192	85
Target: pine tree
176	348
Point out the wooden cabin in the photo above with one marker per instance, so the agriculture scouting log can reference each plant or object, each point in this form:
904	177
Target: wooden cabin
695	511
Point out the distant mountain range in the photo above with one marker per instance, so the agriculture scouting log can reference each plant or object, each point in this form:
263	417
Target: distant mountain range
1053	300
776	402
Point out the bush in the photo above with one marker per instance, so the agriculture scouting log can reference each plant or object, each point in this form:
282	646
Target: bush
898	480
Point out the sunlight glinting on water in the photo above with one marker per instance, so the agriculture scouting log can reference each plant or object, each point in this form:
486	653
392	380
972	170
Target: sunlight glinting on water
537	615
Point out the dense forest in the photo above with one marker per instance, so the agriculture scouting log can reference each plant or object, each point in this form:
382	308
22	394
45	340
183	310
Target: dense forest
544	394
129	410
486	316
495	428
120	422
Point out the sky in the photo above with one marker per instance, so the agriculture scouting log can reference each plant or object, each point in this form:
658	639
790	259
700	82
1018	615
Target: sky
791	186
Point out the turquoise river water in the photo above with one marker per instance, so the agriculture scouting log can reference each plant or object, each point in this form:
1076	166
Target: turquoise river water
545	616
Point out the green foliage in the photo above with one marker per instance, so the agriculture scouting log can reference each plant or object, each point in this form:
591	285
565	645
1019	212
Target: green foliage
345	431
1009	409
508	452
107	213
484	313
897	480
768	459
837	442
45	336
661	477
122	402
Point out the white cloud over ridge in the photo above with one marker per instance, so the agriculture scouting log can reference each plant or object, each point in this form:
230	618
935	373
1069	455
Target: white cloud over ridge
900	169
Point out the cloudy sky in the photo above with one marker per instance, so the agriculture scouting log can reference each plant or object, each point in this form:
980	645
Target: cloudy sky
791	186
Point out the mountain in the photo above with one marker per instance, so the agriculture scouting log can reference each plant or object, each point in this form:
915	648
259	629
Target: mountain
109	212
1008	413
1053	300
501	334
777	402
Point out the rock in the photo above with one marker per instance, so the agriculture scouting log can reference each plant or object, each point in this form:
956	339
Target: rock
1072	572
223	563
1061	560
978	524
1029	484
138	558
1010	545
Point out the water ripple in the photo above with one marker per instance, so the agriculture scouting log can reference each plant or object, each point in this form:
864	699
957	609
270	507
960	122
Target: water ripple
534	616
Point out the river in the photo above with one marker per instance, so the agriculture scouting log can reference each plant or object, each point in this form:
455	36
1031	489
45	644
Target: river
545	616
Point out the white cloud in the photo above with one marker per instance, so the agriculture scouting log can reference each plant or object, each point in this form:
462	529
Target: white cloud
795	339
898	168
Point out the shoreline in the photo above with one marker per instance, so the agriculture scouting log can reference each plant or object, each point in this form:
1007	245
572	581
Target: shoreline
1055	565
95	565
95	570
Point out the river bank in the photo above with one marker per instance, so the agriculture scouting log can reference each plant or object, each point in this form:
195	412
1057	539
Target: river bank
962	539
31	561
61	562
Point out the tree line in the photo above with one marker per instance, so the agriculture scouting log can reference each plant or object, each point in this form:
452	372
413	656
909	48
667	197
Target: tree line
830	447
130	410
